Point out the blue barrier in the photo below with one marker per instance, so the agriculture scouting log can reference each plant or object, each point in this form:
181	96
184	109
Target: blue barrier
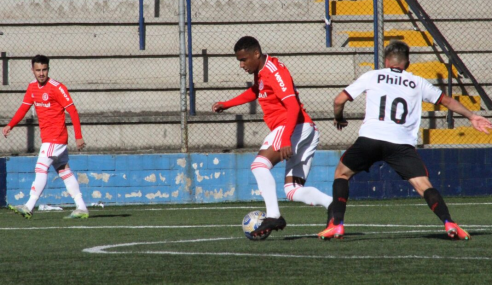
206	178
3	182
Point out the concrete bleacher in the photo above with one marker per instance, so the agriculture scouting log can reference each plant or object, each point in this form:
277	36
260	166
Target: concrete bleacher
95	46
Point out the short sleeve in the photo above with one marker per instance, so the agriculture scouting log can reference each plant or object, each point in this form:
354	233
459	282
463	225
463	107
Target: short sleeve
430	93
359	86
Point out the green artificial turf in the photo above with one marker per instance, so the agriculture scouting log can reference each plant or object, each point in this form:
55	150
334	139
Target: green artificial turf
386	242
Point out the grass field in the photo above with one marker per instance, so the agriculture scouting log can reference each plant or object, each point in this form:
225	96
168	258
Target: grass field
386	242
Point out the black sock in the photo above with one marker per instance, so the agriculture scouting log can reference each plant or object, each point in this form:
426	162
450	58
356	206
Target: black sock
437	205
340	197
330	214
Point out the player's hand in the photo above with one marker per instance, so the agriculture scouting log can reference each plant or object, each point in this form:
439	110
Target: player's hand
340	124
218	107
285	152
6	131
480	123
80	144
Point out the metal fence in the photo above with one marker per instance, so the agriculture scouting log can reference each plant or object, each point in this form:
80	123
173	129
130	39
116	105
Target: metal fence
125	77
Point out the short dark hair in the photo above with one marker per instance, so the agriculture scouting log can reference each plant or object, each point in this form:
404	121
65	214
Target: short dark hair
40	59
398	49
247	43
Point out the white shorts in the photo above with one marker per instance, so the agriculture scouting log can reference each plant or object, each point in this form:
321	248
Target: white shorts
56	153
305	139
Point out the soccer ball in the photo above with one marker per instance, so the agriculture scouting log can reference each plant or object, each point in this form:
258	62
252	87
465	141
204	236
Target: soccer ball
251	222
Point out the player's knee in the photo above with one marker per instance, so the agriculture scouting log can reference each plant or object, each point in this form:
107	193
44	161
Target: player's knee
290	189
420	184
261	162
65	173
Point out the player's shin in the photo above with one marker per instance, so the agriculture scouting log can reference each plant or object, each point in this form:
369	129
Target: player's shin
266	184
340	197
437	205
73	188
308	195
38	184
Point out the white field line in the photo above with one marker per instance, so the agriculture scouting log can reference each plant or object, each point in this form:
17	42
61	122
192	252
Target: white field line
103	250
115	207
475	227
348	205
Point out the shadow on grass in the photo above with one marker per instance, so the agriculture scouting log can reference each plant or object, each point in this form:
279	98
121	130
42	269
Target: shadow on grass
356	237
110	216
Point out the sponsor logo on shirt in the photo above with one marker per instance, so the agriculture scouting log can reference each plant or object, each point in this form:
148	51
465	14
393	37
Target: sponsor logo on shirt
395	80
280	82
45	96
42	104
64	94
32	95
262	95
260	85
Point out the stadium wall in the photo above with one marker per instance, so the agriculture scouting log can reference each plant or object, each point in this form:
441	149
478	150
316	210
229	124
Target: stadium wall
204	178
3	182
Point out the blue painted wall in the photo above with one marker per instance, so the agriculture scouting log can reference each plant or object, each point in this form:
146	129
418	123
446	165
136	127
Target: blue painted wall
3	182
204	178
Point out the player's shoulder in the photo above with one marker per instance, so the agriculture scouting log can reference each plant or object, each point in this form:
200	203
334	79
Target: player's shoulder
272	65
54	83
419	80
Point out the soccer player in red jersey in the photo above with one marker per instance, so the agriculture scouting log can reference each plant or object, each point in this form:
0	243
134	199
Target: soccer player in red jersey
293	136
51	99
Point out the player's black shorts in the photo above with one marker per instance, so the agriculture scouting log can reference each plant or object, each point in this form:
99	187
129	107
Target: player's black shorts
403	158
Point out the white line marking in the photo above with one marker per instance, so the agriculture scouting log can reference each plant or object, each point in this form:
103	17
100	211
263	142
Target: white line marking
237	226
349	205
103	250
115	207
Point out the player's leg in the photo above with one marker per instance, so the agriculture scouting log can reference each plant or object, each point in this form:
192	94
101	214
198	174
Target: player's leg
62	167
42	165
408	164
261	167
436	203
360	156
304	142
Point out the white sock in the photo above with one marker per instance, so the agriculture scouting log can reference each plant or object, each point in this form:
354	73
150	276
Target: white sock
73	188
266	183
39	182
308	195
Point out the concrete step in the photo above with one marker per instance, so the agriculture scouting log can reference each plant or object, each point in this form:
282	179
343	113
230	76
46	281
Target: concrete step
428	70
366	7
470	102
411	37
459	135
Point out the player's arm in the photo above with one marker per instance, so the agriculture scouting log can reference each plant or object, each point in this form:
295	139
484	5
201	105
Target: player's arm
338	106
478	122
247	96
64	98
283	86
293	109
21	112
19	115
74	116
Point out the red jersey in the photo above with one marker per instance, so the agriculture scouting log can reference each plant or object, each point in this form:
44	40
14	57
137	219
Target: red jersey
278	99
274	84
50	102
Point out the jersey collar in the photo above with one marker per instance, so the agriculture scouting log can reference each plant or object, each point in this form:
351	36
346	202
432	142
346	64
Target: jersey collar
396	69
